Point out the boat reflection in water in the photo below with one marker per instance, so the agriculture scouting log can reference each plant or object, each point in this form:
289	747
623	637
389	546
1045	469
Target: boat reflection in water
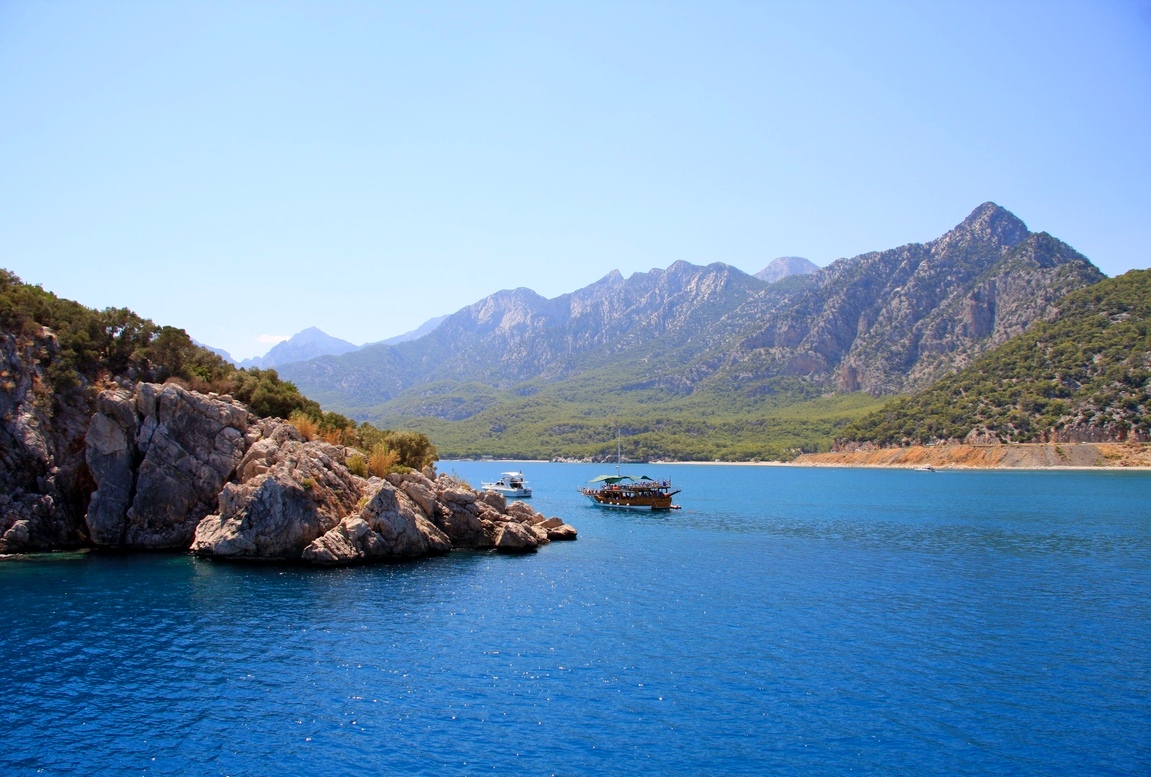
628	493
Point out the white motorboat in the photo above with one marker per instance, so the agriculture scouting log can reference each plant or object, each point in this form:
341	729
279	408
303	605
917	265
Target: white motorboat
510	484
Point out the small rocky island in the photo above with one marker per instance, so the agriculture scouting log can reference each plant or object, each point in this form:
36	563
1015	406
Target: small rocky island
173	469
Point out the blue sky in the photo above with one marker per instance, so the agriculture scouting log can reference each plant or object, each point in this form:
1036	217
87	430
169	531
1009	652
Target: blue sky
248	169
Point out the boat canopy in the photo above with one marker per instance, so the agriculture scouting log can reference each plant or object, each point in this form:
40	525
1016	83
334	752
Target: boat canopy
611	480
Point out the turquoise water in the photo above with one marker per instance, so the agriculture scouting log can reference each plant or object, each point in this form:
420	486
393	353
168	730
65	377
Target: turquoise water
786	621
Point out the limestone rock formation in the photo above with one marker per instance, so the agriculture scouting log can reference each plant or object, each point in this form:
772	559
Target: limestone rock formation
390	525
288	495
160	457
297	501
44	484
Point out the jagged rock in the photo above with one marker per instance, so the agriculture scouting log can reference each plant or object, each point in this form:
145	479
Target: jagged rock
458	496
561	533
515	537
43	479
494	499
187	446
159	466
276	514
112	458
424	497
390	525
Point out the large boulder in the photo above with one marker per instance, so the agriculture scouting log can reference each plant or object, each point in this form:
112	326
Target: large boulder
298	492
160	458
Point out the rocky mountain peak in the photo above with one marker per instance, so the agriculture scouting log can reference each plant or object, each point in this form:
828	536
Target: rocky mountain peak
786	266
304	345
989	224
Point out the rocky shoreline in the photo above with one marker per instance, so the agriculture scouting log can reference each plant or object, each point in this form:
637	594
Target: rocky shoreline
1086	455
171	469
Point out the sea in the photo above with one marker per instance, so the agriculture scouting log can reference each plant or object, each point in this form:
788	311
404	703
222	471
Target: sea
785	621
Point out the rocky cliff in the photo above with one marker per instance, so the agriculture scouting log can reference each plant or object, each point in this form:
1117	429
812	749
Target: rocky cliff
162	467
44	482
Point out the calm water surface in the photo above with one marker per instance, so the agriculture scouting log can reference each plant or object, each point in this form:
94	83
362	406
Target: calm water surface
786	621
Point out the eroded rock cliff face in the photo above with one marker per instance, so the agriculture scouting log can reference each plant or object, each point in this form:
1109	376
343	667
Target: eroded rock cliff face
302	504
160	457
44	484
161	467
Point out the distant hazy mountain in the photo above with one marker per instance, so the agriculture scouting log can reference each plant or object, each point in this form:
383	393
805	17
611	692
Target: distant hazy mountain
786	266
704	340
517	335
415	334
305	345
219	352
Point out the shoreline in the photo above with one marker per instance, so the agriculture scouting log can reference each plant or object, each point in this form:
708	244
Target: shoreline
1038	457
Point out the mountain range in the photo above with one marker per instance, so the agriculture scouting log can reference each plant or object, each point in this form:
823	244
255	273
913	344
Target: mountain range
690	343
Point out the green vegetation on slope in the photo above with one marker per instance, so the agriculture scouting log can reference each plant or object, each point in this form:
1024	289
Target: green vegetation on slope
1089	370
99	344
547	426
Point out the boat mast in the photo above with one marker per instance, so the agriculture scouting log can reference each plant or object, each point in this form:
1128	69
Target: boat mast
618	453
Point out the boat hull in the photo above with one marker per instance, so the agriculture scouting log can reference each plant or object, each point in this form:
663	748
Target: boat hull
615	501
517	493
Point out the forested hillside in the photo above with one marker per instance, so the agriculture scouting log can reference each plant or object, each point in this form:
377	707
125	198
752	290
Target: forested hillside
1083	377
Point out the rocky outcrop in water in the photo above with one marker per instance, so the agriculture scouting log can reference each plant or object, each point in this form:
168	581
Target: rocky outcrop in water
299	502
160	467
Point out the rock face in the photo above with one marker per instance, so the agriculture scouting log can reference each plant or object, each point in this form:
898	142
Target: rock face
289	494
297	501
161	467
297	505
898	320
44	484
160	457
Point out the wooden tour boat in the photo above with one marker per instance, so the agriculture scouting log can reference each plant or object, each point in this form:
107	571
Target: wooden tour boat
627	493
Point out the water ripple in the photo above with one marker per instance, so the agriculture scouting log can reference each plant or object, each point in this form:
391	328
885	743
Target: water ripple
980	634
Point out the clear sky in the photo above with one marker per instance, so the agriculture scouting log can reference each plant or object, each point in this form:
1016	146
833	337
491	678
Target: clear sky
245	170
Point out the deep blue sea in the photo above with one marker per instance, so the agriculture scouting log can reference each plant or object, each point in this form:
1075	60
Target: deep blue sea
786	621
